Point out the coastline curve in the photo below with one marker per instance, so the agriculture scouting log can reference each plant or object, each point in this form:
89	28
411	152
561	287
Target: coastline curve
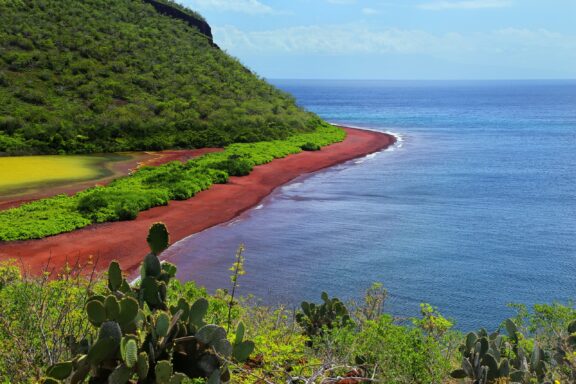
124	241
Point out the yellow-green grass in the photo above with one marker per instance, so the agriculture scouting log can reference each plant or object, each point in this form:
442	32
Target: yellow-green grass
27	173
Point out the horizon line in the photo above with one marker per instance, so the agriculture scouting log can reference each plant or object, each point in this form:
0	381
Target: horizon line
414	79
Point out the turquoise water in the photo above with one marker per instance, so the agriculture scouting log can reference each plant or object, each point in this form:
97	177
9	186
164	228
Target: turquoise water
474	208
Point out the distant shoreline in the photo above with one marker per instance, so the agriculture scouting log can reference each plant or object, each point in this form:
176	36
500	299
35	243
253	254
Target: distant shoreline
125	241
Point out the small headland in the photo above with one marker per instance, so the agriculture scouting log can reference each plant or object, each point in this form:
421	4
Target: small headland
121	241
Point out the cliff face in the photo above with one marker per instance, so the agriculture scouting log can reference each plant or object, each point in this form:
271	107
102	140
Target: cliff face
168	10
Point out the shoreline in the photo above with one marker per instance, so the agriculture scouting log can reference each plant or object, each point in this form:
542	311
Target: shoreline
126	241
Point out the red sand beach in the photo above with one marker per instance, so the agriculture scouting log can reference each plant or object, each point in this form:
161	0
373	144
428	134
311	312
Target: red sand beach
126	241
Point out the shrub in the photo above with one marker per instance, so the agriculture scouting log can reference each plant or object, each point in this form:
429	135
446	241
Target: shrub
92	202
38	316
127	211
401	354
310	147
235	166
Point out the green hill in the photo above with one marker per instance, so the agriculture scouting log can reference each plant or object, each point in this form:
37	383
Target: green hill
106	76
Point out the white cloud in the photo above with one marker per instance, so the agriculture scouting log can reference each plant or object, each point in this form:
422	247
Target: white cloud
337	39
341	1
370	11
356	38
243	6
464	4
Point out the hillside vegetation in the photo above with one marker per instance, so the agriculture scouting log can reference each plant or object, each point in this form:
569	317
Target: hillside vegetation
106	76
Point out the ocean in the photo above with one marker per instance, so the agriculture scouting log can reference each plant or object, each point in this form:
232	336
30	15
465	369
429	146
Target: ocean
474	207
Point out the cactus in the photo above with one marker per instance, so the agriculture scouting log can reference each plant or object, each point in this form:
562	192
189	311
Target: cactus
163	372
158	238
114	276
120	375
241	349
128	311
60	371
490	358
197	312
50	380
162	324
481	359
112	307
315	319
129	351
151	266
526	366
96	312
140	338
110	330
142	365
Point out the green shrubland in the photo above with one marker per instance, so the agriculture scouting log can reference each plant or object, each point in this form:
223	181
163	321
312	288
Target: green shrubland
149	187
109	76
77	325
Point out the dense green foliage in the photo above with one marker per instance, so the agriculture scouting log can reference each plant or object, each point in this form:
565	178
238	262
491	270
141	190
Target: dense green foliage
41	317
125	197
108	76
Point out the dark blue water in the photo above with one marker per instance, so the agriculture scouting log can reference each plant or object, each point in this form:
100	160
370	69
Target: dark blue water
474	208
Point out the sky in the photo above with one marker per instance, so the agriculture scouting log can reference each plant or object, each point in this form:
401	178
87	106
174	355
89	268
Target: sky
397	39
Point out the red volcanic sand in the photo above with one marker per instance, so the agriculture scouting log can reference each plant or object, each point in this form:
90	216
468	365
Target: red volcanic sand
126	241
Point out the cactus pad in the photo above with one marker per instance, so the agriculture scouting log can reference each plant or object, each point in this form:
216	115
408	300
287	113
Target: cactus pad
242	351
158	238
112	307
60	371
128	311
142	365
162	324
198	311
96	312
210	334
151	266
120	375
114	276
163	372
110	330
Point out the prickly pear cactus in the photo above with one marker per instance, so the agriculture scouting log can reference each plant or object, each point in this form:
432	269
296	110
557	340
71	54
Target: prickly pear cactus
491	358
158	238
140	340
481	358
316	318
